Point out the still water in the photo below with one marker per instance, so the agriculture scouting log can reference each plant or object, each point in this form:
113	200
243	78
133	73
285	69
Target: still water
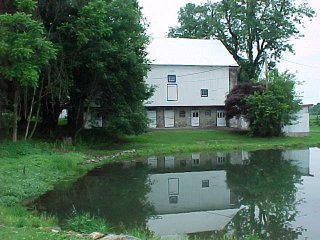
271	193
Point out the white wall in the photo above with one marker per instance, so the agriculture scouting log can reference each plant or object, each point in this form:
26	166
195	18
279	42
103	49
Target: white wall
299	158
189	84
301	125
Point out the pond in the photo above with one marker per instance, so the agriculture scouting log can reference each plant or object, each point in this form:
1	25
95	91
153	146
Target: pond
271	193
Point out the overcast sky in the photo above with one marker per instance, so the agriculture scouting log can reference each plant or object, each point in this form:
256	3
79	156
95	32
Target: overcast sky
162	14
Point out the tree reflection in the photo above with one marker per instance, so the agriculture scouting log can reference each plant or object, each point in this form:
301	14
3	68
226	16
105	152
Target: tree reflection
114	193
266	187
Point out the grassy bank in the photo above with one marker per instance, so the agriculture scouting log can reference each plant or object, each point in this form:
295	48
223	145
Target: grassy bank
27	170
190	140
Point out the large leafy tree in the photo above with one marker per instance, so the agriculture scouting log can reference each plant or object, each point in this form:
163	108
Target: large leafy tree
101	63
108	64
248	29
193	22
23	51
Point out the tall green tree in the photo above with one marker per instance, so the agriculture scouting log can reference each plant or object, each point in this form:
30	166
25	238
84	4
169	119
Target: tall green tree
101	63
193	22
248	29
57	76
23	51
109	64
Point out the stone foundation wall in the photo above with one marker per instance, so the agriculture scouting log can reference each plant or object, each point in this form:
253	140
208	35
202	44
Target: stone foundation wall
208	117
182	116
160	117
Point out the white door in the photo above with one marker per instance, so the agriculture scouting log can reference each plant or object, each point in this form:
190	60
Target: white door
152	116
195	118
168	118
221	118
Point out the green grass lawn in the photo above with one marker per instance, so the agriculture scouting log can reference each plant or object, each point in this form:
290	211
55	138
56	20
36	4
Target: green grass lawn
188	140
28	169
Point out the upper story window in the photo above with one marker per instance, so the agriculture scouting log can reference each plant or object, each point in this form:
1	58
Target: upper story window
172	78
204	92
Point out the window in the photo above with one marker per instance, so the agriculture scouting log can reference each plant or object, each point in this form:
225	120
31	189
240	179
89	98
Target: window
172	78
173	199
204	92
195	159
221	160
221	114
195	114
195	162
207	113
205	183
182	113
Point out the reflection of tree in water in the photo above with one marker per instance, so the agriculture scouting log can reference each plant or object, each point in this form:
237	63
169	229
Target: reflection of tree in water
266	187
114	193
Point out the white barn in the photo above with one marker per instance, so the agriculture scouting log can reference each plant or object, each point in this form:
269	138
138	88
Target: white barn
191	78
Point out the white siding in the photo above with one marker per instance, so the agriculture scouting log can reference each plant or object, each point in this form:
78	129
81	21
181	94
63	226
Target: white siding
190	80
299	158
301	125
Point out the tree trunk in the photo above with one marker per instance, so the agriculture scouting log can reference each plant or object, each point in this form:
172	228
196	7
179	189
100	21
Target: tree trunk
15	112
30	115
37	113
81	126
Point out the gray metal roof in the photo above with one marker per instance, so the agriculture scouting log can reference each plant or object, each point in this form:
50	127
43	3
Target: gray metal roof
182	51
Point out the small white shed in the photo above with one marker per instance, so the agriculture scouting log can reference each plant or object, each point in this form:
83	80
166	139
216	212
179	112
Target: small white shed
301	126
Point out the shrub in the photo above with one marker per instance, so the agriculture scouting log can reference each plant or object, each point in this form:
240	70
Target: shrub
85	223
269	111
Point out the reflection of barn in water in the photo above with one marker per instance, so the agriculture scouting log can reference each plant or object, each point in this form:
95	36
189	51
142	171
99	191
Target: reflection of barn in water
195	161
190	194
